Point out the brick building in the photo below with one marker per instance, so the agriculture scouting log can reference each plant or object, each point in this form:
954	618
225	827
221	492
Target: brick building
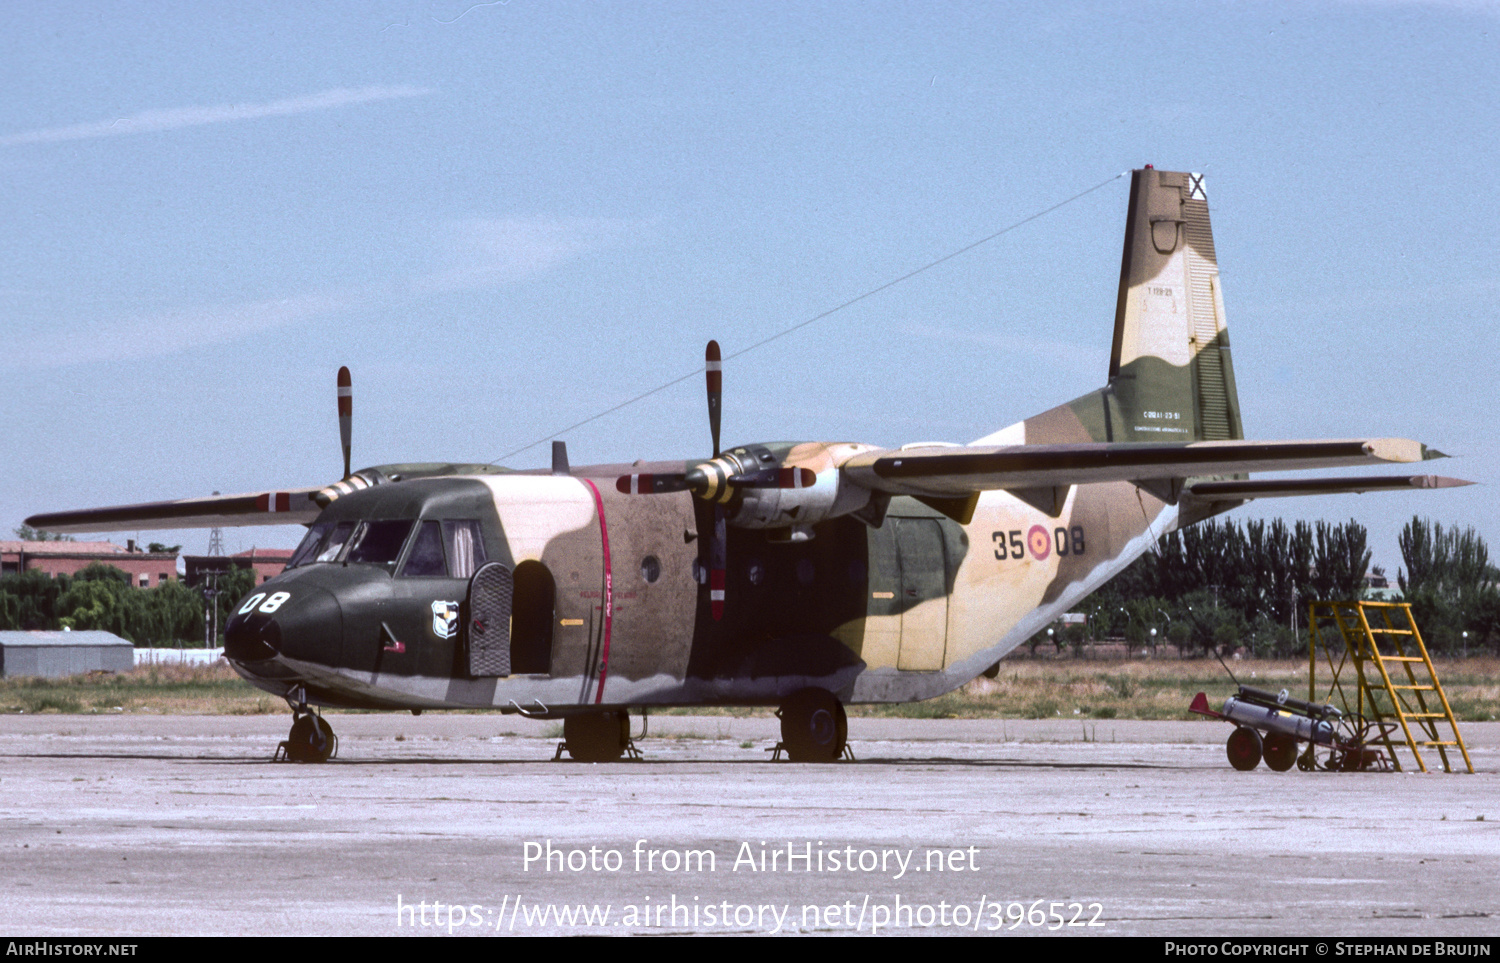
267	563
146	569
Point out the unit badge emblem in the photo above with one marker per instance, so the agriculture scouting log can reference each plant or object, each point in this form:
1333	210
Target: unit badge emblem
444	619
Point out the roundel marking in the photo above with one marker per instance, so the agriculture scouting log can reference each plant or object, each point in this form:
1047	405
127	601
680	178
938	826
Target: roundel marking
1039	540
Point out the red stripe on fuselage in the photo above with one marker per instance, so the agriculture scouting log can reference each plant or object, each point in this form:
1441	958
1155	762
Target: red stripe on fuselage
609	593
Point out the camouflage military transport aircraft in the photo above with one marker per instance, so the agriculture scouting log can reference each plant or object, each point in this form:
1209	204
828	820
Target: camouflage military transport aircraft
803	575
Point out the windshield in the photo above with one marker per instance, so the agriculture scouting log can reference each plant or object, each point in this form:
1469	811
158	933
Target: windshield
309	546
322	543
378	543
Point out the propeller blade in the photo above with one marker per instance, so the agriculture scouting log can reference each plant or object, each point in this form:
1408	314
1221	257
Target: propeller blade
346	414
713	370
717	555
651	484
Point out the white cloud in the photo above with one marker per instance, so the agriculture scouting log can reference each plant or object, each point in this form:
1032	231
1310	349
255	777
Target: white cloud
478	252
171	331
482	252
175	117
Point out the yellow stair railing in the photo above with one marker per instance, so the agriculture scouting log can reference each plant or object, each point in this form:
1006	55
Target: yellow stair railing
1382	637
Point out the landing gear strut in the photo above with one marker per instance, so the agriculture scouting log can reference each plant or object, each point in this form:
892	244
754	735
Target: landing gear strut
814	727
597	737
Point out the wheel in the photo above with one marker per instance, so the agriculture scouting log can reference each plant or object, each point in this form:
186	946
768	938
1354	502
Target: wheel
1244	749
597	736
311	739
814	727
1280	751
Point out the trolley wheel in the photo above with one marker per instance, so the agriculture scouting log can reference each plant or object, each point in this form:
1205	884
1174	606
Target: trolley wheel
1280	751
1243	748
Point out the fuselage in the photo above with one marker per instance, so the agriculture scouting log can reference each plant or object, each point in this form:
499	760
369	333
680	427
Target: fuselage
609	601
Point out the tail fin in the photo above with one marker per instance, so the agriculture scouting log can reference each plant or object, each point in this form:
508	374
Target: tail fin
1170	374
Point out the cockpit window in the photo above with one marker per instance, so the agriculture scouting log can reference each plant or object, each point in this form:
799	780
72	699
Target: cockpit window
329	548
465	542
426	555
309	546
378	543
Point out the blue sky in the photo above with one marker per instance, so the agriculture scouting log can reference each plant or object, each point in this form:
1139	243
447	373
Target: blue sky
508	217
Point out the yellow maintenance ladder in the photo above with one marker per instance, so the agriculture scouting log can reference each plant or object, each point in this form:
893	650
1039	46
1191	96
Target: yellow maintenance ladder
1365	626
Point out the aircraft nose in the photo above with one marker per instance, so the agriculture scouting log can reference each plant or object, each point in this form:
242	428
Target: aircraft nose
301	621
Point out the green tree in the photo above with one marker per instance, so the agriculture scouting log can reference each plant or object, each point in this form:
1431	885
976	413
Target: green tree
234	585
1450	583
29	600
177	612
28	534
1340	560
103	601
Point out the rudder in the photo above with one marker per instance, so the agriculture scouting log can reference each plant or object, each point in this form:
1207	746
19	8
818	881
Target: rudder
1170	374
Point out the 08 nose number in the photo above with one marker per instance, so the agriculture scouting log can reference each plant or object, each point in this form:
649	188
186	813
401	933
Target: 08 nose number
272	604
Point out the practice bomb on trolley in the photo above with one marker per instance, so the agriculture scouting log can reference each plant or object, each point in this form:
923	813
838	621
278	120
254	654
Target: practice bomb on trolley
1285	721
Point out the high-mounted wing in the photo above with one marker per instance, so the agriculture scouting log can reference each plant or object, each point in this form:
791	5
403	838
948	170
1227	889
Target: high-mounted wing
942	472
291	507
1216	491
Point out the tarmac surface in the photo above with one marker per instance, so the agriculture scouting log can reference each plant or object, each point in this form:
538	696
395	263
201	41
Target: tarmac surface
154	825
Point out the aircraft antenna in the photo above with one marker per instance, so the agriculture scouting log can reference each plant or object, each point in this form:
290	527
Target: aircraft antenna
820	316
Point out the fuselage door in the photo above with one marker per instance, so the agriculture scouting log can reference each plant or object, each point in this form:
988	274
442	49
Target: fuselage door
487	632
924	594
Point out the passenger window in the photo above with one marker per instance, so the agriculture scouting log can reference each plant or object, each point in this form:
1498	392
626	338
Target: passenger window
426	555
329	549
378	543
465	541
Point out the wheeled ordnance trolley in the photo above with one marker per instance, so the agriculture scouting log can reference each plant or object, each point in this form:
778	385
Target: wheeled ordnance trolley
1272	725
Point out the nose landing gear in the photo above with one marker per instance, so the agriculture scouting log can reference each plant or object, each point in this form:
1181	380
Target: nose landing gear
311	738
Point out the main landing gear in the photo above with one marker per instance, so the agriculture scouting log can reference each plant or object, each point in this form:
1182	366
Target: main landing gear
311	738
814	727
597	737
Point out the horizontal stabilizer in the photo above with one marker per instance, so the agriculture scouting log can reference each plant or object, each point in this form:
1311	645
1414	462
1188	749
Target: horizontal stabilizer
949	472
1291	487
291	507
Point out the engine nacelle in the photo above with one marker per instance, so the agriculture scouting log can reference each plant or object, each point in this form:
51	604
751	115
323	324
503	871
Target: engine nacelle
798	509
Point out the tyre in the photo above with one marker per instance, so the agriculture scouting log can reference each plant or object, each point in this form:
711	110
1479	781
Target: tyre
597	736
1280	751
311	739
814	727
1244	749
